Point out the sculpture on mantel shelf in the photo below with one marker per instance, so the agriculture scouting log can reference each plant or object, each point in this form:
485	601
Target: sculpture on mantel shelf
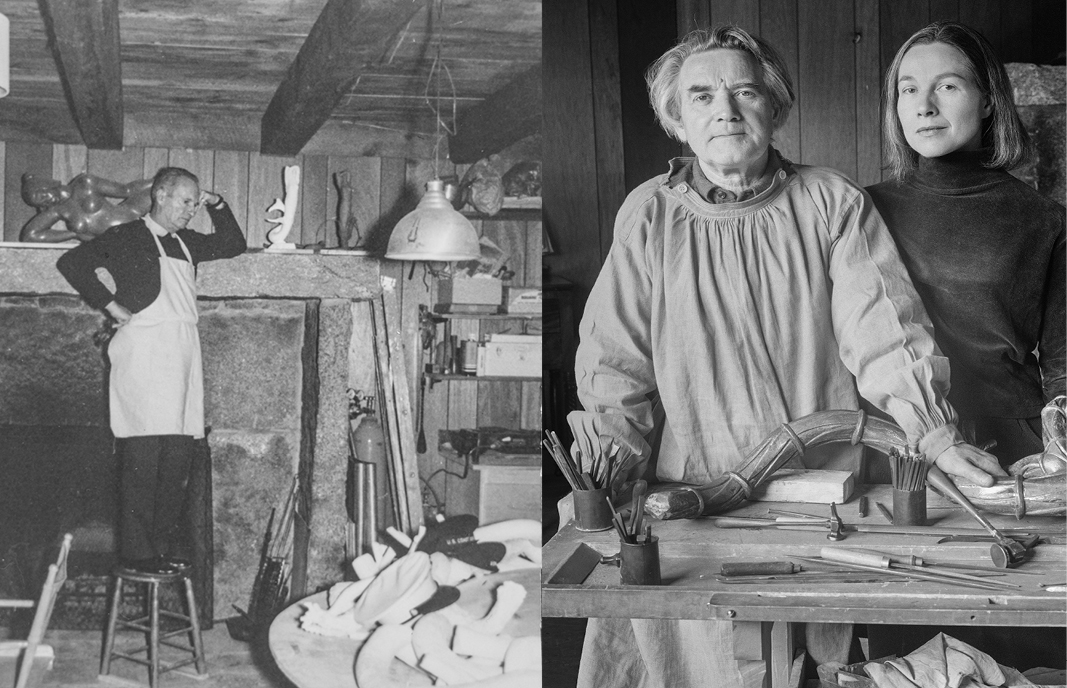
287	207
483	187
347	224
81	205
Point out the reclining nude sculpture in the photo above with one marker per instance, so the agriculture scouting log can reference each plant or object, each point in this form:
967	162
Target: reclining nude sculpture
82	206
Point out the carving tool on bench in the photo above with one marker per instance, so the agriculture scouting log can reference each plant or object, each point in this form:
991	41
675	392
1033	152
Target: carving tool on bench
891	561
1006	549
823	524
985	585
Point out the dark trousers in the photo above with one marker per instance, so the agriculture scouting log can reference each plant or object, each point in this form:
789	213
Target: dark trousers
153	489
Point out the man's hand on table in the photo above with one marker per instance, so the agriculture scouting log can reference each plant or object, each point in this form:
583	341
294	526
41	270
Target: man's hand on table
970	464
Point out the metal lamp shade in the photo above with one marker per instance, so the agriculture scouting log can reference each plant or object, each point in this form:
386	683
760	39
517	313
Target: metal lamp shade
434	231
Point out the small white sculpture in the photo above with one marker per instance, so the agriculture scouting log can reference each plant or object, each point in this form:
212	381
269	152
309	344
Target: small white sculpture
287	208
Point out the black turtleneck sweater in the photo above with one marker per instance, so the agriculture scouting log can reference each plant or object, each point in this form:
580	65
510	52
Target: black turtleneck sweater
986	254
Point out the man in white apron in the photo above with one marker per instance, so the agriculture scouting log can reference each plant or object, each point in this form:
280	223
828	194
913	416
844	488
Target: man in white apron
156	382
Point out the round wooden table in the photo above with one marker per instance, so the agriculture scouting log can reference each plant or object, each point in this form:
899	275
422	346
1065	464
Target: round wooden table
315	661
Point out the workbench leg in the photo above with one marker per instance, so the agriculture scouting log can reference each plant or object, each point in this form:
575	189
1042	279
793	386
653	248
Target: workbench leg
771	643
783	648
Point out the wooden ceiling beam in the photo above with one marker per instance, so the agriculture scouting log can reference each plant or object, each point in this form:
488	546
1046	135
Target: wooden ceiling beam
84	37
510	114
347	36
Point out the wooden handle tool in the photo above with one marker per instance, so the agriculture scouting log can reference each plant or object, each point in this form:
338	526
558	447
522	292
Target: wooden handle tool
758	568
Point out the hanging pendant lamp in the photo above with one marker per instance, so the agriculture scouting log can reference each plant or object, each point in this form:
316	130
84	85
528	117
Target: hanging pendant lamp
434	230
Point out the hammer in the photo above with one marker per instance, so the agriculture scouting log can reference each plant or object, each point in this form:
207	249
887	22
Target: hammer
1006	549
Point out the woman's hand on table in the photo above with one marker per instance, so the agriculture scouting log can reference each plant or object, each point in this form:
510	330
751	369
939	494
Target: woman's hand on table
970	464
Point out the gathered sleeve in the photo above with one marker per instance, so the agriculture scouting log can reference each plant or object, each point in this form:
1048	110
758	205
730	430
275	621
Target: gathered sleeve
226	241
614	371
883	331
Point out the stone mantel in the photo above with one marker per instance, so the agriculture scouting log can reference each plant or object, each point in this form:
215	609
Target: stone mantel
27	268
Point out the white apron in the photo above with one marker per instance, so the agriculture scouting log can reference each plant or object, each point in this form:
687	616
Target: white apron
157	378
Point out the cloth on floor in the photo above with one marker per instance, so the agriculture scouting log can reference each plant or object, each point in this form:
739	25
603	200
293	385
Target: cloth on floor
944	662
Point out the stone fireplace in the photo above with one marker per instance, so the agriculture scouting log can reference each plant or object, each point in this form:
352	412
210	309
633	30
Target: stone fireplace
276	330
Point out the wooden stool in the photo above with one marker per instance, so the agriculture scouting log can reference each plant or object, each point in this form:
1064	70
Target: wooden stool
189	624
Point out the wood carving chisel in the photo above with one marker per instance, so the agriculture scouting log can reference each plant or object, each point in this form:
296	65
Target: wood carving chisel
879	560
758	568
896	572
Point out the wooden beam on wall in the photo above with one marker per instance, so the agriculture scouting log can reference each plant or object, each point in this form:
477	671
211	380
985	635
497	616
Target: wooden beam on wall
510	114
348	35
84	35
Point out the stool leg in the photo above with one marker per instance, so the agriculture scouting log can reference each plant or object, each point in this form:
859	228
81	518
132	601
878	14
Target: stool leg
109	633
194	623
153	637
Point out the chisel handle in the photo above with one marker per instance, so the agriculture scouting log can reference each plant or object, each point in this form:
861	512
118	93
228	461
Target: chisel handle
734	522
757	568
855	556
906	559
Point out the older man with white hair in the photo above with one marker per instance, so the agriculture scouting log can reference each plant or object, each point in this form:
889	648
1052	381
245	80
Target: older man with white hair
742	291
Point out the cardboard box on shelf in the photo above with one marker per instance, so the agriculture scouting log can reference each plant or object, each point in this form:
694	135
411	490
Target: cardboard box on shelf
523	299
510	355
470	291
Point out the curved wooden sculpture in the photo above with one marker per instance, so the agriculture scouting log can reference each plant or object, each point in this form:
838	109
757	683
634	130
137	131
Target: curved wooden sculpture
1037	495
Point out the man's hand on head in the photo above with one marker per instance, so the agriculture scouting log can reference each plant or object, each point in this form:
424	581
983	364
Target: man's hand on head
970	464
209	198
118	313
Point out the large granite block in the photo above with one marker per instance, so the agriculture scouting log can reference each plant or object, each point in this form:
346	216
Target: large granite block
252	363
52	372
252	473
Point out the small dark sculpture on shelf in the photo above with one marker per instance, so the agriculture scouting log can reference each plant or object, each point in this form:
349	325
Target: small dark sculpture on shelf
82	206
347	225
482	186
523	179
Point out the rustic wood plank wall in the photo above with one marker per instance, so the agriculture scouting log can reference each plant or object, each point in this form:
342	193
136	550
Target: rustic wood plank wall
385	189
599	125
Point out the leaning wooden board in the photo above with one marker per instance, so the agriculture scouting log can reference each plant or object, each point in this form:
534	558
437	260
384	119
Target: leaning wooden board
692	552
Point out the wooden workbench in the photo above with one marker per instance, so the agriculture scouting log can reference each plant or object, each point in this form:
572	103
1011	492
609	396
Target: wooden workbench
691	552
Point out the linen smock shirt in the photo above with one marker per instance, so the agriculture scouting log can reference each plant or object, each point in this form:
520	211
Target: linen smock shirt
716	323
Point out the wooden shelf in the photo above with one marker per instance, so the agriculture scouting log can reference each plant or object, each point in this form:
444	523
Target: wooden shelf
486	316
438	377
506	214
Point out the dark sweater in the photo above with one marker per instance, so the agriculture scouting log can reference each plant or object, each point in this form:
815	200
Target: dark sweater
986	254
130	255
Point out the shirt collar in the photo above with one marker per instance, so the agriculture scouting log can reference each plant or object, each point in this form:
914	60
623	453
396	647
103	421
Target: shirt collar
686	170
156	228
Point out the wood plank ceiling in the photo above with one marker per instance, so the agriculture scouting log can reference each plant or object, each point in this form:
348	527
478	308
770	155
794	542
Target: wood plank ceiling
280	77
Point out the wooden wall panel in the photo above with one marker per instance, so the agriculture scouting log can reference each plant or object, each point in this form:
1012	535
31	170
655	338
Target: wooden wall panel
868	95
22	158
827	115
154	160
778	25
1016	39
119	165
607	111
231	181
317	217
985	17
569	142
743	13
68	161
692	15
